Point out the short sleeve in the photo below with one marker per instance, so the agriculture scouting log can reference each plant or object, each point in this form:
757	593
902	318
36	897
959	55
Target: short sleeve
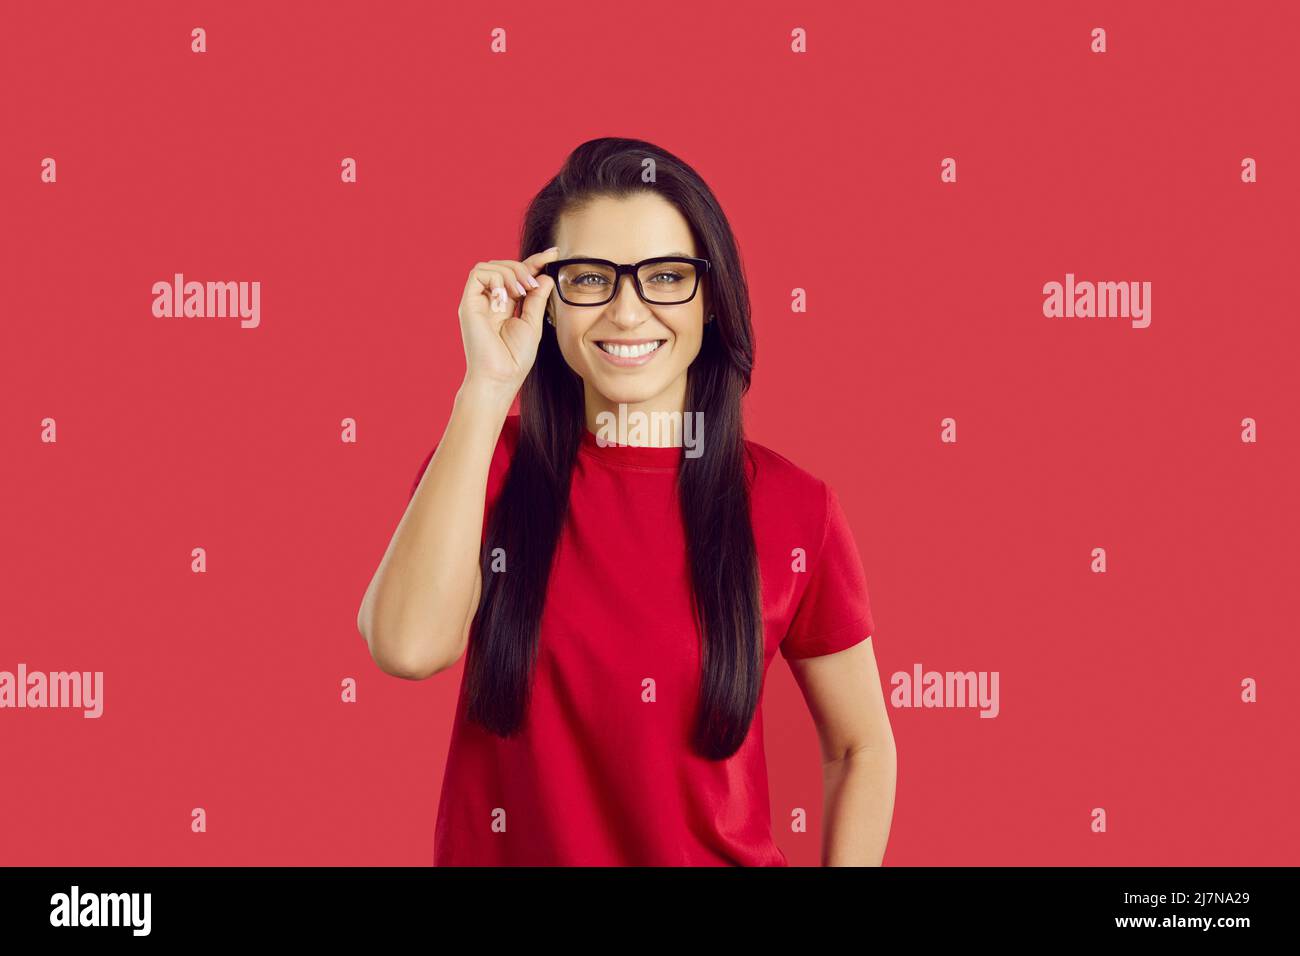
834	612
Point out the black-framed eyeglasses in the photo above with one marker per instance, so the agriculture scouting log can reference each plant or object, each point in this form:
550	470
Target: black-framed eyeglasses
663	280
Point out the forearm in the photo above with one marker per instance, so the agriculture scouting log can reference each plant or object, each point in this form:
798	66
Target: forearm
858	806
417	604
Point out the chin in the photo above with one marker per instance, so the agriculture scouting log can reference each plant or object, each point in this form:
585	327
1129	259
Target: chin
627	392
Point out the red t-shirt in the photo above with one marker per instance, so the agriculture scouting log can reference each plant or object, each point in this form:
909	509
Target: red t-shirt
600	775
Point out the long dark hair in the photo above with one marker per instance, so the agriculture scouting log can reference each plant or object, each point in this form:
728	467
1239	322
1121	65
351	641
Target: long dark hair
713	489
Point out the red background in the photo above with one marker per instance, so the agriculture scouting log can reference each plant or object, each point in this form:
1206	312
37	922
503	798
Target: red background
221	690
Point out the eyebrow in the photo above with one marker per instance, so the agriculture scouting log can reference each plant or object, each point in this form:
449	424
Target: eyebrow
675	252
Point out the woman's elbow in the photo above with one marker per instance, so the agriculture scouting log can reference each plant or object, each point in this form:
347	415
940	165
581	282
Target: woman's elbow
401	657
402	662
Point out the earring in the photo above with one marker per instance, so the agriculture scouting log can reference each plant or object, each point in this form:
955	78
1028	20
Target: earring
709	319
549	320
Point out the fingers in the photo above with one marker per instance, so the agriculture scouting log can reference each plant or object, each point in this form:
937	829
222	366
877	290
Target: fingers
539	259
517	277
535	302
525	272
498	283
504	281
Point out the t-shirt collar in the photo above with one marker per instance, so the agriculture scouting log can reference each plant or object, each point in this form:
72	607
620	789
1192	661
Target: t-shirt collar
636	456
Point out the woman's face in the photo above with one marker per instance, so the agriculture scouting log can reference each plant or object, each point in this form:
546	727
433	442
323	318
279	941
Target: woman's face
629	229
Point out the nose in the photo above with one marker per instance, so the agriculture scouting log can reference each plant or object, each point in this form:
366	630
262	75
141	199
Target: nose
626	310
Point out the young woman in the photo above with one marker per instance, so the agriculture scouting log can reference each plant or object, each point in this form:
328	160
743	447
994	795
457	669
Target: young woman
619	601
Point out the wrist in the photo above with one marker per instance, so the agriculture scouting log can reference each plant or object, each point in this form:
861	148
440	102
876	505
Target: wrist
488	396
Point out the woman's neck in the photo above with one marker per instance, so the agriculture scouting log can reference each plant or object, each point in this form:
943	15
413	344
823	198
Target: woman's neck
655	422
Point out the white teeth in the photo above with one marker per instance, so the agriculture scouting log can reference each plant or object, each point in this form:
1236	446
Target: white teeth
629	351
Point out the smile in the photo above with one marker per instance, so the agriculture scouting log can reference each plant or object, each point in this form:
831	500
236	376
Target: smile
629	353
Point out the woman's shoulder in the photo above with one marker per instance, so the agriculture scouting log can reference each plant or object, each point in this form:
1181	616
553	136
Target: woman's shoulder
790	503
777	466
776	478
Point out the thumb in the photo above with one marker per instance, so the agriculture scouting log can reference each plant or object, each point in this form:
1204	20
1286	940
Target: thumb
535	303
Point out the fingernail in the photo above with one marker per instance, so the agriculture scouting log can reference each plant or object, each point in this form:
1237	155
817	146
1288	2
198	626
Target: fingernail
552	249
520	287
533	282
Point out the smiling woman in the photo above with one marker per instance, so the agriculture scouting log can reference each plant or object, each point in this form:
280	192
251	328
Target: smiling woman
652	323
619	604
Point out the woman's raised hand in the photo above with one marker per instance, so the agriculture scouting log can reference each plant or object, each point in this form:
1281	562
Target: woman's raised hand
500	347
